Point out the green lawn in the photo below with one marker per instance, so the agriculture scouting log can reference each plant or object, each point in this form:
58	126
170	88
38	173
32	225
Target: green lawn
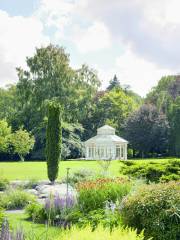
37	170
36	231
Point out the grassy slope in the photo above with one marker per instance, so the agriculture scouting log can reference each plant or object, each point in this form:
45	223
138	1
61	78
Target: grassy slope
37	170
39	231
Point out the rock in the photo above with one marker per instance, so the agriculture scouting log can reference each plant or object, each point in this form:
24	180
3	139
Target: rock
46	190
32	191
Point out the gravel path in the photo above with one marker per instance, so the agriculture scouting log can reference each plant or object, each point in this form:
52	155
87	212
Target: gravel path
15	211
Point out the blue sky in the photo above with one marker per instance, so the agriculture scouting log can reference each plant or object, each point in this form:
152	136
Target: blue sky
136	39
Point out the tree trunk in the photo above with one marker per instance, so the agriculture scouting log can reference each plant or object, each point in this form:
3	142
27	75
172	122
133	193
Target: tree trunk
21	158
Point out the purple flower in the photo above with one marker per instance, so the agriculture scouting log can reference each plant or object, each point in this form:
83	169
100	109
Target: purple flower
58	203
5	233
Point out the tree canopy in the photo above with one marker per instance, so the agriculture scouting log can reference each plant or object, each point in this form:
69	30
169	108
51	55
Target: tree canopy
50	77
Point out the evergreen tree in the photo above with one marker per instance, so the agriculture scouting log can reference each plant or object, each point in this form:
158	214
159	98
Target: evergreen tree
53	140
114	83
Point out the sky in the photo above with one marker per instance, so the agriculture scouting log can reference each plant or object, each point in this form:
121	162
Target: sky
138	40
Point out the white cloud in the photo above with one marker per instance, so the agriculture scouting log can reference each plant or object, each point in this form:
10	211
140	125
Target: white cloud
151	27
93	38
63	15
133	70
55	13
19	37
139	73
147	31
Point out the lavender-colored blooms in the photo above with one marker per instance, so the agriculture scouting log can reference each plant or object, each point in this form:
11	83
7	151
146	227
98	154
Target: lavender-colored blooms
6	234
48	204
59	203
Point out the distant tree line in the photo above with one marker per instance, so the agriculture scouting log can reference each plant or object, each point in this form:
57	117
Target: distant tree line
151	125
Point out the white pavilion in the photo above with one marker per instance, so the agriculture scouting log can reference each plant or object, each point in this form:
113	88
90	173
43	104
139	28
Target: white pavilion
106	145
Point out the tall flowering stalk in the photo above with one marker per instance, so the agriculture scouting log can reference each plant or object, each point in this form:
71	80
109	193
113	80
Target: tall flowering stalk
57	207
6	234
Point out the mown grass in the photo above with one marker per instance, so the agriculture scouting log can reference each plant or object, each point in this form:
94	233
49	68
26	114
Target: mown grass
38	170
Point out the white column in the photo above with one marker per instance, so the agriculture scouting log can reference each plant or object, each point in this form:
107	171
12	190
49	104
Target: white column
87	152
125	147
124	152
120	151
114	152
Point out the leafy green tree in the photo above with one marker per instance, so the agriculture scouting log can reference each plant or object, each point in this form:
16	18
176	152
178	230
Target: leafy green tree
164	96
50	77
5	132
147	130
8	103
22	142
112	108
53	140
175	127
72	146
87	84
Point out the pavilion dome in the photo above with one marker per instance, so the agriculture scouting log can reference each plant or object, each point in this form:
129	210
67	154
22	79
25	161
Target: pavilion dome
106	130
106	145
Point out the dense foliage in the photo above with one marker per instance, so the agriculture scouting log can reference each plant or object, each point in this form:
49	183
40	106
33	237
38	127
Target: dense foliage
53	140
165	96
1	216
15	199
154	208
147	130
18	143
4	183
92	195
101	233
153	129
153	171
49	77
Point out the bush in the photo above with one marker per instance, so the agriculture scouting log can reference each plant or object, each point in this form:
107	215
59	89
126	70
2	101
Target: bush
1	216
4	183
15	199
154	208
94	194
80	176
36	212
98	217
100	233
55	210
152	171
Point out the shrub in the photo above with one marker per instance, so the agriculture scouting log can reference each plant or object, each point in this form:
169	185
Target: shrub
98	217
36	212
1	216
15	199
94	194
100	234
4	183
80	176
55	210
152	171
154	208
